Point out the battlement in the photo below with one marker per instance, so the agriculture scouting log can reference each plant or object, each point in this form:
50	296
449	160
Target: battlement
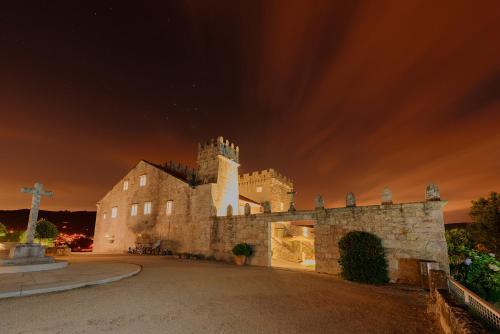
260	176
219	147
183	172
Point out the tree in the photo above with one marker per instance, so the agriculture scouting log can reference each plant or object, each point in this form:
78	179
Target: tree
45	230
459	244
3	230
485	212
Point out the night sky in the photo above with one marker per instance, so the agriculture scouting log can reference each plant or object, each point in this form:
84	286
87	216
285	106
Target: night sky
338	95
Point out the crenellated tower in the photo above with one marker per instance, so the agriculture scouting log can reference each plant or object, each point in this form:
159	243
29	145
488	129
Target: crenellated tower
218	163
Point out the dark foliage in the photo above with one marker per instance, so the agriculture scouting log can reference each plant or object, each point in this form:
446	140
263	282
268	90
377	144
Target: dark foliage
46	230
243	249
485	231
362	258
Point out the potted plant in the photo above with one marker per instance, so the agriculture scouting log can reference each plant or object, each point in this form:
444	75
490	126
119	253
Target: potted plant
241	252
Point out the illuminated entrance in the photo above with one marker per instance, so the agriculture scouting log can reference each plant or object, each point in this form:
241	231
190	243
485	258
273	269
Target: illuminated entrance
292	245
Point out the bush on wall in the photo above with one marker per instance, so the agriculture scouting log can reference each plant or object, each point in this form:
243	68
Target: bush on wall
362	258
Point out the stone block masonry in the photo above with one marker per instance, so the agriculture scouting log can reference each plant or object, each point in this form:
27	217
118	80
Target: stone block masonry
408	231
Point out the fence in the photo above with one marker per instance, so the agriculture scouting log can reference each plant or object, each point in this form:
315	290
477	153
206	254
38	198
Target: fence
475	304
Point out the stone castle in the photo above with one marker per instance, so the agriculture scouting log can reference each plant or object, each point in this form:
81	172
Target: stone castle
210	209
174	202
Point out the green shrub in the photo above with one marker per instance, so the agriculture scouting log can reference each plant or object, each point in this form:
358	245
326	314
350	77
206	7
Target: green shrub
14	236
479	272
362	258
3	230
243	249
45	230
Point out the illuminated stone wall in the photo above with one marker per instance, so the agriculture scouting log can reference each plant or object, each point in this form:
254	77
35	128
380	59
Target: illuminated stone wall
226	189
274	188
408	231
117	234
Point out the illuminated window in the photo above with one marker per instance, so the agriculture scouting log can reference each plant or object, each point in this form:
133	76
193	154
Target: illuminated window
133	210
125	185
142	180
147	208
114	212
259	189
104	215
281	206
170	205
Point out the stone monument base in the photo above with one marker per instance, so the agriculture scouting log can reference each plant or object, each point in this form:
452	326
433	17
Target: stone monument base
27	254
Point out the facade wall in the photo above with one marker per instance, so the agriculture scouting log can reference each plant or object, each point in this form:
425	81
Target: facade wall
274	188
117	234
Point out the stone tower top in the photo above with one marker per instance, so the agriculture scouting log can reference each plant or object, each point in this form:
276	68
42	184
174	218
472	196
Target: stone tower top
209	155
219	147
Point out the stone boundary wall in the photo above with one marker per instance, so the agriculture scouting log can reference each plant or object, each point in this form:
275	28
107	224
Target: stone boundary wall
408	231
452	318
252	229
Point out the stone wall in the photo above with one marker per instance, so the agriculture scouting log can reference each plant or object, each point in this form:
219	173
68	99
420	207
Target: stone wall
408	231
452	318
229	231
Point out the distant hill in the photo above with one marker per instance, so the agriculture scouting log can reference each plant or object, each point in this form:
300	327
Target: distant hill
66	221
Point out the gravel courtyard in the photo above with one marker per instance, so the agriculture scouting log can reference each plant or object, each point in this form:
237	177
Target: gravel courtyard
182	296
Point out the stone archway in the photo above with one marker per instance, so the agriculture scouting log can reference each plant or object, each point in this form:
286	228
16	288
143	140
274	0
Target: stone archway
292	245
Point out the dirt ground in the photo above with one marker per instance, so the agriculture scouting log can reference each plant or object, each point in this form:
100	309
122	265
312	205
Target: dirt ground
182	296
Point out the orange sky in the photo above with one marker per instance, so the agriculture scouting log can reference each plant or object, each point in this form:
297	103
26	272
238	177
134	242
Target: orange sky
339	96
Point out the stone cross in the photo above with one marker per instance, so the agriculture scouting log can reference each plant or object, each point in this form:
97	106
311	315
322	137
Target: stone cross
292	200
37	192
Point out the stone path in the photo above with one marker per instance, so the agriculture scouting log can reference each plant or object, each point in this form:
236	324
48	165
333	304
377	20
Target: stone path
184	296
76	275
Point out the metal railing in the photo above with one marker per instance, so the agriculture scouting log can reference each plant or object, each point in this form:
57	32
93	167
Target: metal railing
475	304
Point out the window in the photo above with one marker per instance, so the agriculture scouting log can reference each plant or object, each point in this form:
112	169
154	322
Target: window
104	215
133	210
170	205
114	212
147	208
142	180
281	206
125	185
259	189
